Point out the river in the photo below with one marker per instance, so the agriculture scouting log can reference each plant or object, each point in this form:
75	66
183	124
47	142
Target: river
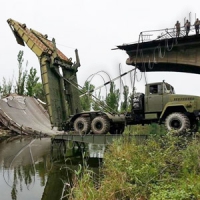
30	169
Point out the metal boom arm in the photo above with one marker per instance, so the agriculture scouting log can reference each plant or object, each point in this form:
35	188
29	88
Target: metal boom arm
61	96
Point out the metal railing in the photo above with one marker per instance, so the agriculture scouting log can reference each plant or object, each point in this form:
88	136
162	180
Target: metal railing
168	33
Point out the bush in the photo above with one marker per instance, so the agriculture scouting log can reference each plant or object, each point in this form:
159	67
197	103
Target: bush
164	167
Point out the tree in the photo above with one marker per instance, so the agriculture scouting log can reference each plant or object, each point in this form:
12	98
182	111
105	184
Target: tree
31	82
21	76
125	103
86	99
112	99
25	83
98	103
38	91
6	87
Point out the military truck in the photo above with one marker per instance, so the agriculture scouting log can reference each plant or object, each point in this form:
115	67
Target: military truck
159	104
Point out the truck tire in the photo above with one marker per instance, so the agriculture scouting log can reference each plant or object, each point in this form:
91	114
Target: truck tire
82	125
100	125
178	122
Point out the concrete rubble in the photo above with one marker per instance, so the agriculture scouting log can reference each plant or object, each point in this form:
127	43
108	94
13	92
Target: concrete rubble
25	115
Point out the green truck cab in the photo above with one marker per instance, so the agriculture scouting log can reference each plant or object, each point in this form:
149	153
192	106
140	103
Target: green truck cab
161	105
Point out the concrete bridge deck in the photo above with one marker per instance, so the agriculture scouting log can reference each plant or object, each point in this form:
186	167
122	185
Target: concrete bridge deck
165	53
25	115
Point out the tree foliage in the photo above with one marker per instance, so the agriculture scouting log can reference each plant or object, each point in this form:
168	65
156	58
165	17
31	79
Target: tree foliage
27	82
98	103
125	102
22	74
31	82
112	99
86	99
6	87
38	91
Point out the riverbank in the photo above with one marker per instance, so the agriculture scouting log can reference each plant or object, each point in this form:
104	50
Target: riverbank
164	167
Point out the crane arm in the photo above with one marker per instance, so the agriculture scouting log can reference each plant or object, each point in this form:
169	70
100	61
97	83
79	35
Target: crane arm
36	41
61	96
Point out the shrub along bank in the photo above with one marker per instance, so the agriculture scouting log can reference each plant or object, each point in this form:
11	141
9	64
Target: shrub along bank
162	167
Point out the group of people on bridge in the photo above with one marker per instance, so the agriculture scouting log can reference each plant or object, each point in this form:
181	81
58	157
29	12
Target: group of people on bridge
187	27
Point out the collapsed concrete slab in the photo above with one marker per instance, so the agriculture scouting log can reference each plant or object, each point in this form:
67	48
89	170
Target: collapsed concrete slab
25	115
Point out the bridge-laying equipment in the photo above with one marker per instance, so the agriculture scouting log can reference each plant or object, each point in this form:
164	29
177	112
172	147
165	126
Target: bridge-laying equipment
159	104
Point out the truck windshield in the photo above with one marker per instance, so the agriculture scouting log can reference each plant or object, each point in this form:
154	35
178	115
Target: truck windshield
169	89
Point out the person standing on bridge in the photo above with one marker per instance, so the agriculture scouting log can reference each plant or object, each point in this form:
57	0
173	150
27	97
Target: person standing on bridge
196	25
187	27
178	28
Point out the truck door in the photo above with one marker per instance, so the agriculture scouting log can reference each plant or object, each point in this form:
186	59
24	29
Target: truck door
154	100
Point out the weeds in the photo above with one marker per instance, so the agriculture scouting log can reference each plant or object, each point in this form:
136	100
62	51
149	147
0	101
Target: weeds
166	167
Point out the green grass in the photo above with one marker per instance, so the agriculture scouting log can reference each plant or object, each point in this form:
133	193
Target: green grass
160	168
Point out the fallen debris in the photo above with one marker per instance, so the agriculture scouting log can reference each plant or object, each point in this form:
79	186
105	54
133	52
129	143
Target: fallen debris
25	116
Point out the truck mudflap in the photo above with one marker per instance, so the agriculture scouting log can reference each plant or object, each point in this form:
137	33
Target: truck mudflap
197	114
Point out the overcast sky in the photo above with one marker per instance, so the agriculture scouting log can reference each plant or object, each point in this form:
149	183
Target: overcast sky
94	28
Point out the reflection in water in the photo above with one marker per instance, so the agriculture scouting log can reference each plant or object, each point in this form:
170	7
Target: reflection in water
29	170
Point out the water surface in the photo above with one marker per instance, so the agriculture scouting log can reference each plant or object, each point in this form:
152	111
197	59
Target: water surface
31	169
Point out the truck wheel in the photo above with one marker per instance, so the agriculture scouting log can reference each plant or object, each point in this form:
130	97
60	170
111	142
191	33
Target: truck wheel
177	121
82	125
100	125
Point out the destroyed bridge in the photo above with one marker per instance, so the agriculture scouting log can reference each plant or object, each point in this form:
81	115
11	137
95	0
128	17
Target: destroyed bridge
166	52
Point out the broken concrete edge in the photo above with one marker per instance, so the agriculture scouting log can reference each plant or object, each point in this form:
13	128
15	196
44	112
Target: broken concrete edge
10	135
16	128
13	131
5	133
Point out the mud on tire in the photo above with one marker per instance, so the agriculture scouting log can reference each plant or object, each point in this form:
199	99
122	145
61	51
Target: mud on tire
100	125
82	125
178	122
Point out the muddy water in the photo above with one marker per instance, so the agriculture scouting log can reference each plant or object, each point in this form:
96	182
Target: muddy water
29	169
